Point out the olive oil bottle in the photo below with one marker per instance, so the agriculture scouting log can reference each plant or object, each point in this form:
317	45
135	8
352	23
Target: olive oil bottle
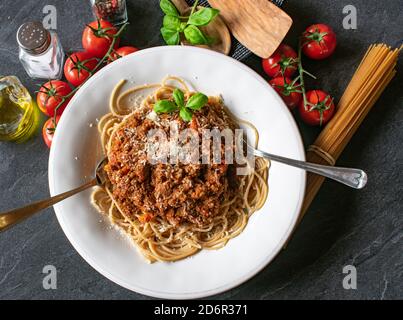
19	115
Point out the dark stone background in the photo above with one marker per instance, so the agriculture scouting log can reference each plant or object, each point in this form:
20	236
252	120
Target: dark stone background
362	228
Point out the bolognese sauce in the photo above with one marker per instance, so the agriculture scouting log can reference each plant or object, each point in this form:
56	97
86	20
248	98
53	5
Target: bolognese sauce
178	193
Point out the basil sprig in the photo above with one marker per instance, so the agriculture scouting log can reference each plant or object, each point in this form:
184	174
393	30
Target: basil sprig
174	25
195	102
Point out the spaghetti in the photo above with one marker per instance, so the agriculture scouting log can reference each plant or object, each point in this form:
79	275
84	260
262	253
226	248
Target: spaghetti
373	75
165	237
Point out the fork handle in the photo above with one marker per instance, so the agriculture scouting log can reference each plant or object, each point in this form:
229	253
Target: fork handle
11	218
354	178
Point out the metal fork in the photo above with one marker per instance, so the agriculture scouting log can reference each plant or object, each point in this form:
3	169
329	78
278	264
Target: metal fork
354	178
11	218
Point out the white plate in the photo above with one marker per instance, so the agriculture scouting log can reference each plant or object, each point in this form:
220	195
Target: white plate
75	150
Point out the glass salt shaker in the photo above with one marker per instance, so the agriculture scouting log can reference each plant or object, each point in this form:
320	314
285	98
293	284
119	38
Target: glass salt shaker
40	51
113	11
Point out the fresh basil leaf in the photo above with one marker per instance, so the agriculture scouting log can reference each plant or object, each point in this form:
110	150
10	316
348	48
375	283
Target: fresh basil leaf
179	98
197	101
171	37
194	35
164	106
203	16
172	23
168	8
186	114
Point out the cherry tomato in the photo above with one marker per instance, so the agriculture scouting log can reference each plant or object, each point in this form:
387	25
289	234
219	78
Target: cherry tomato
77	67
98	36
320	108
50	95
284	61
288	90
319	41
121	52
48	130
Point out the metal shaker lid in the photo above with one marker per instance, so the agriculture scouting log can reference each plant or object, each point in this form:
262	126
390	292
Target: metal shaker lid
33	37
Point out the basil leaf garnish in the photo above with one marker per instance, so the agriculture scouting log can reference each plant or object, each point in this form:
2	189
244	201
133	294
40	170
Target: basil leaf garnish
197	101
172	23
171	37
203	16
164	106
179	98
186	114
194	35
168	8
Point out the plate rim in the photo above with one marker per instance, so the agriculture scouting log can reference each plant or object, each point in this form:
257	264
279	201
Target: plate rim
191	295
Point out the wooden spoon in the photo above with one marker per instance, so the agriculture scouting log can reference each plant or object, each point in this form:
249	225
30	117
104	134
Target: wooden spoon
216	30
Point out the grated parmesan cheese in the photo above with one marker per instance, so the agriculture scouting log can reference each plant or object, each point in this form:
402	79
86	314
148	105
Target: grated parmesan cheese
153	116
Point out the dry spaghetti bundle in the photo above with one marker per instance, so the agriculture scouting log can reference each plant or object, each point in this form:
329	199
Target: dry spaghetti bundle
376	70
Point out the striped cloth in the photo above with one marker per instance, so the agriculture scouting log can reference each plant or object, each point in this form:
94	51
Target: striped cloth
238	51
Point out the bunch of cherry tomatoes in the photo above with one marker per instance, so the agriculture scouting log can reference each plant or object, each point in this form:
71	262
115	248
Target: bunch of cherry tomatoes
315	107
97	39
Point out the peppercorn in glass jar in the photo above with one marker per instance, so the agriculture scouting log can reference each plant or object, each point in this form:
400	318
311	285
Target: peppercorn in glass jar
113	11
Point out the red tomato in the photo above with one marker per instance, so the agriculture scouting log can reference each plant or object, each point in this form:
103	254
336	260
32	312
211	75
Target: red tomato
77	66
319	41
320	109
48	130
284	61
98	36
50	95
288	90
121	52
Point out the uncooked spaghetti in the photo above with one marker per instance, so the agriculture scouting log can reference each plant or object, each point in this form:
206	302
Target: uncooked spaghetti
173	211
375	72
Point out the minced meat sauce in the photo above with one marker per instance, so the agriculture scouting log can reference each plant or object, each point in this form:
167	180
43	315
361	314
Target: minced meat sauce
178	192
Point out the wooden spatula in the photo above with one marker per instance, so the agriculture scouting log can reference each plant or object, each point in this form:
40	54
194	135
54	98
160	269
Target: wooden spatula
258	24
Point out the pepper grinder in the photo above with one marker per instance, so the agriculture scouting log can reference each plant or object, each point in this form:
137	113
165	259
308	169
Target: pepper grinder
40	51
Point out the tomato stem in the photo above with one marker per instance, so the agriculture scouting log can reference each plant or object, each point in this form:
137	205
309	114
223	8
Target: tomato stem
301	74
301	71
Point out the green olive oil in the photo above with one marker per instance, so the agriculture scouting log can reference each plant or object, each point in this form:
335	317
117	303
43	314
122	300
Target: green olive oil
19	115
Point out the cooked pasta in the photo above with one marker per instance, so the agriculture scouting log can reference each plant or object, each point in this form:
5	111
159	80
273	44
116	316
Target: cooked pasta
169	224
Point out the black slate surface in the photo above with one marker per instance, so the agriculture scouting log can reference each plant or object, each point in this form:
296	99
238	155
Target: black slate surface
343	227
